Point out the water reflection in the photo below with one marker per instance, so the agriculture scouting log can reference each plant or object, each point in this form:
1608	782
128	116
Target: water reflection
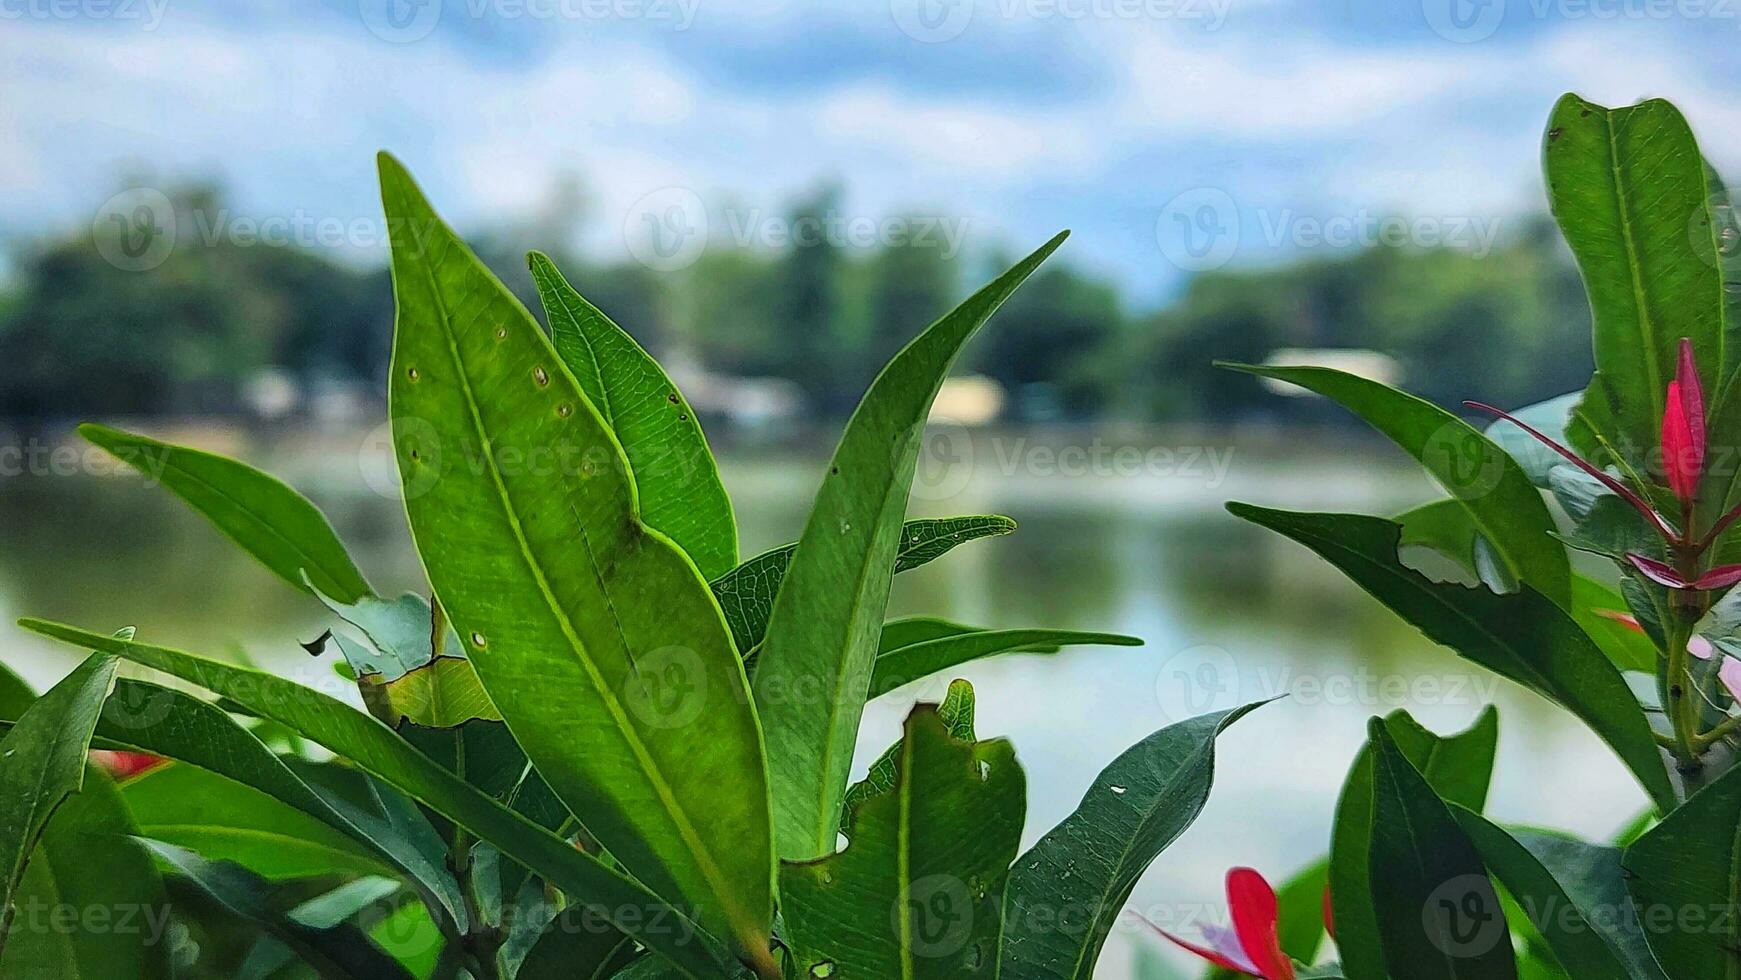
1229	612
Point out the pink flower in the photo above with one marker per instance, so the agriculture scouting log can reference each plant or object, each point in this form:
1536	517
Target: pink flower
1253	945
124	765
1683	429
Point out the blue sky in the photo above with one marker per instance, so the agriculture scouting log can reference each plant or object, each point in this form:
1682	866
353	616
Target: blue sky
1131	121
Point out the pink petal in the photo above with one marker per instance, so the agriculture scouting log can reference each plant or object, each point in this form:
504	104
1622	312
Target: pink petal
1692	400
1730	675
1720	577
1659	572
1625	619
1700	647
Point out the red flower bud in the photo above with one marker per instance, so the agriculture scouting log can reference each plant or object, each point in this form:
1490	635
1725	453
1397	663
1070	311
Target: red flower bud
1683	428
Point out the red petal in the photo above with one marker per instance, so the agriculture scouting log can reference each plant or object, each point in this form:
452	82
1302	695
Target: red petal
1663	527
1661	573
123	765
1683	452
1730	674
1692	397
1720	577
1625	619
1214	956
1253	904
1329	914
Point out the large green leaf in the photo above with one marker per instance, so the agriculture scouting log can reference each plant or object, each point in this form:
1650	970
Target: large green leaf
911	649
223	821
1439	917
1091	861
258	511
916	893
1522	635
676	479
1586	940
42	763
814	673
341	952
1685	876
594	635
1458	767
373	748
89	865
1628	187
575	952
746	593
1505	506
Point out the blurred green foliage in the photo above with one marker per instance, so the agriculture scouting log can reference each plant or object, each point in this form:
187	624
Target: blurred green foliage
80	337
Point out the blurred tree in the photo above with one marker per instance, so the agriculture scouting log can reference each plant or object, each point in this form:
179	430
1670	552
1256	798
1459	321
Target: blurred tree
1045	343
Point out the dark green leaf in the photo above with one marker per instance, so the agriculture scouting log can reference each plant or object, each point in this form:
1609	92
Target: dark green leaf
911	649
1507	509
572	949
1458	767
42	763
265	516
1685	877
338	953
916	893
594	635
1439	917
1089	863
823	631
746	593
376	750
1522	636
675	475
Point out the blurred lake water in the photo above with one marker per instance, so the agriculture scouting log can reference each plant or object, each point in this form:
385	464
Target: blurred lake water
1120	531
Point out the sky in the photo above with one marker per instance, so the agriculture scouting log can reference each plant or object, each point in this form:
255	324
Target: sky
1170	135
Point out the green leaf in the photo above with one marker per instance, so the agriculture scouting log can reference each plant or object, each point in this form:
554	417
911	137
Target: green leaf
1685	877
676	478
746	593
956	712
1505	506
1522	636
225	821
88	862
340	952
911	649
1458	767
259	512
916	893
594	635
42	763
373	748
1091	861
823	631
572	951
1549	418
1438	915
1627	187
1586	938
400	633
